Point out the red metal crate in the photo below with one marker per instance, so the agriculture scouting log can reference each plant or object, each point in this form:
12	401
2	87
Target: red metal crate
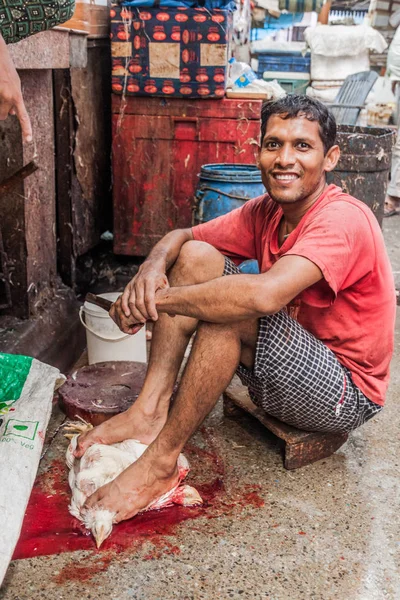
159	146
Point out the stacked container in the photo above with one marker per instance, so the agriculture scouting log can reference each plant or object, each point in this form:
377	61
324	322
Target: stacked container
290	68
170	51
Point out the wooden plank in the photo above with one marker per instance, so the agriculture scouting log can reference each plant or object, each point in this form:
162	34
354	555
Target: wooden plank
12	214
226	108
5	187
239	395
91	96
28	211
83	140
54	49
39	189
64	140
5	290
301	447
248	95
15	178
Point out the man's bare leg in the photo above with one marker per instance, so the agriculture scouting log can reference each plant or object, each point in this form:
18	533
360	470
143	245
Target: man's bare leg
216	353
197	262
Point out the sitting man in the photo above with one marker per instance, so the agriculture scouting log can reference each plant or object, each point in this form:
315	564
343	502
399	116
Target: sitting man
311	335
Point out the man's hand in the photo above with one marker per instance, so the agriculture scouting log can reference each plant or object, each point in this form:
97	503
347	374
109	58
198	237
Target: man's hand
11	101
138	299
126	324
137	303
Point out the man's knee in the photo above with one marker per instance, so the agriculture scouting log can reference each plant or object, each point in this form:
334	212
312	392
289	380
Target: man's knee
197	262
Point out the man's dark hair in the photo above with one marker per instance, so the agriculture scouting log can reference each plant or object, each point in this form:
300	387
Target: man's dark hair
291	106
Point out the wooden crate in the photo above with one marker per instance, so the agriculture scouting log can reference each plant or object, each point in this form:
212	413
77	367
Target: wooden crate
301	447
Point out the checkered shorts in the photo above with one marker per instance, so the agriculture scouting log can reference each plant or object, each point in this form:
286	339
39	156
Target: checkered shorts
299	380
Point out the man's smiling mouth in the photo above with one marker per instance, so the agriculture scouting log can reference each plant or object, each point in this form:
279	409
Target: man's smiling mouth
285	177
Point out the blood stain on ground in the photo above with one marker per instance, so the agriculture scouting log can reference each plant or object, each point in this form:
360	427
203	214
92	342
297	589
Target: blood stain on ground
78	572
48	527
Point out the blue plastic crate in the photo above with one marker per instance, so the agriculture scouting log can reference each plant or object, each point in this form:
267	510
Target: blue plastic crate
293	62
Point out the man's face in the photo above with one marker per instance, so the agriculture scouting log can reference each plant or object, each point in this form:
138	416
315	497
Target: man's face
292	159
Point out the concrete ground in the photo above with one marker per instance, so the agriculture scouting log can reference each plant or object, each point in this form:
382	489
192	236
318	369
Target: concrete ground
327	531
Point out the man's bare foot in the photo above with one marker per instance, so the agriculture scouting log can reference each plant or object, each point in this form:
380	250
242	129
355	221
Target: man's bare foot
131	424
136	488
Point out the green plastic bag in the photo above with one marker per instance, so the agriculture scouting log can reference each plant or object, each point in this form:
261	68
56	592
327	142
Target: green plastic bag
14	370
26	392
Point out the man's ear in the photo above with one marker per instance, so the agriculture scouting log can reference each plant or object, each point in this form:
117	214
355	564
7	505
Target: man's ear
331	158
258	162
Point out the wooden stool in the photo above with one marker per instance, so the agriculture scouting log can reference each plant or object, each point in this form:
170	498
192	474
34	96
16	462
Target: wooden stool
301	447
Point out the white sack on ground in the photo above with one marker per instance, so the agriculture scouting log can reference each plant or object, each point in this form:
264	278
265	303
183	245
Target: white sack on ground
26	392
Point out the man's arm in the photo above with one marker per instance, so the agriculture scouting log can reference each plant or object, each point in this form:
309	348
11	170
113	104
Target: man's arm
138	299
11	101
233	298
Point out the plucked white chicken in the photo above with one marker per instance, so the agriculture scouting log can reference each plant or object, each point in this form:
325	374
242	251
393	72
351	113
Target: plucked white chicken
99	465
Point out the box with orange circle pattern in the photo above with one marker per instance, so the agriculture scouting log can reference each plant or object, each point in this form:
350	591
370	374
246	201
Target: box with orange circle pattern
176	52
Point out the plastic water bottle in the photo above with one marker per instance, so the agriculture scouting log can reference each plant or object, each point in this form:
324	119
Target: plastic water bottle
240	73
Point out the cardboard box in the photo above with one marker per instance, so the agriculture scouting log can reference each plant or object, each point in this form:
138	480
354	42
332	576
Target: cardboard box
91	16
176	52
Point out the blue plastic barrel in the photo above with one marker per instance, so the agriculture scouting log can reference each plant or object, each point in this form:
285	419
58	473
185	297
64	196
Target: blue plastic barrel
223	187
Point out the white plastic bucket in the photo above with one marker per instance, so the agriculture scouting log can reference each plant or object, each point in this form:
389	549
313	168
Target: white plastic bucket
105	341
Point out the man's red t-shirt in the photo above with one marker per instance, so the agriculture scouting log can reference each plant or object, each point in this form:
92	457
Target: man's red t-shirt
352	309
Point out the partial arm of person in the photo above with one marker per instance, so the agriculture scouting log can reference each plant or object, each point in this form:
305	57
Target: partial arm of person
11	100
237	297
137	302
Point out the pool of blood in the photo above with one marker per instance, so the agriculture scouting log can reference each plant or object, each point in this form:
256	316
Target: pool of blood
48	528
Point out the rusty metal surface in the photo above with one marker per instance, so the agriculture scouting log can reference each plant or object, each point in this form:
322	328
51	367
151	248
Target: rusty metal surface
97	392
301	447
364	165
159	146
